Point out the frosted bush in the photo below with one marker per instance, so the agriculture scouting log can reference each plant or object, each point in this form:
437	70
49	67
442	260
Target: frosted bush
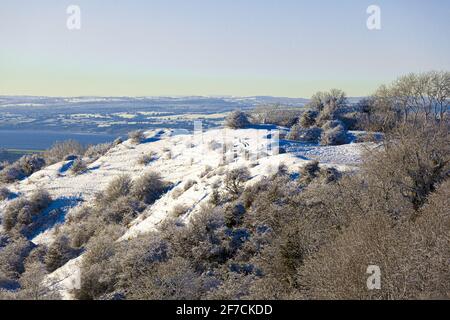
136	136
335	136
308	118
237	120
96	151
149	188
4	193
298	133
79	166
60	150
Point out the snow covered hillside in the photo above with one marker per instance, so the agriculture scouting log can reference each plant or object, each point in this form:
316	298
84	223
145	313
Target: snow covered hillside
199	161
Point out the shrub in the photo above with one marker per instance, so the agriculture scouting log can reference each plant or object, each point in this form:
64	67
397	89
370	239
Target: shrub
11	174
120	186
297	133
19	213
309	172
145	159
12	256
332	124
59	253
177	193
30	163
329	175
96	151
60	150
277	115
33	286
81	232
179	210
411	257
117	142
335	136
122	210
410	165
4	193
79	166
97	276
234	214
353	121
215	198
308	118
172	280
235	179
136	136
189	184
22	168
237	120
149	187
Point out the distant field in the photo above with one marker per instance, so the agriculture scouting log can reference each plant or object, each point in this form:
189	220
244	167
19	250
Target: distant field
12	155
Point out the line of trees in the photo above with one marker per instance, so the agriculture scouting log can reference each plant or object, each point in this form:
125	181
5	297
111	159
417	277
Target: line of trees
413	98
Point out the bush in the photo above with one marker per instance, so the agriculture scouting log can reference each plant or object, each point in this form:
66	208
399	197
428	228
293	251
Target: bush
79	166
308	118
189	184
59	253
96	278
19	214
149	188
60	150
277	115
237	120
309	172
30	163
173	280
235	179
11	174
120	186
334	137
297	133
136	136
412	258
122	210
410	165
179	210
145	159
4	193
177	193
22	168
332	124
117	142
13	253
96	151
33	286
353	121
81	232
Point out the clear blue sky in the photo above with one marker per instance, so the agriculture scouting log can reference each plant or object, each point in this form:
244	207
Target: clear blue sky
217	47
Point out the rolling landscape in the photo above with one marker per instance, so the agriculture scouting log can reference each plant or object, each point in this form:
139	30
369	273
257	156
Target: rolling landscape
234	154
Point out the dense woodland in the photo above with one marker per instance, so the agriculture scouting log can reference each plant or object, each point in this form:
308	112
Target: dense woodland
308	234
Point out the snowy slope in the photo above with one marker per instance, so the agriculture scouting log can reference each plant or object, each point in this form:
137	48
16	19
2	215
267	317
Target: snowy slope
180	158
